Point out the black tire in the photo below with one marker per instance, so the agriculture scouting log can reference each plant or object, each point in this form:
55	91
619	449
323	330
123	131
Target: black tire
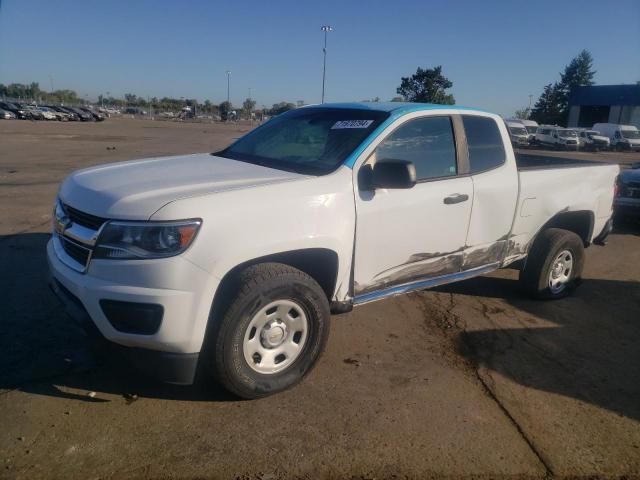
257	286
534	278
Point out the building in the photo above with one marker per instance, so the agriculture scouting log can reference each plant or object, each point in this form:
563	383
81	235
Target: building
604	104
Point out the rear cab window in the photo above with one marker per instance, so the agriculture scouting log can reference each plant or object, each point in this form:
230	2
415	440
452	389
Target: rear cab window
484	142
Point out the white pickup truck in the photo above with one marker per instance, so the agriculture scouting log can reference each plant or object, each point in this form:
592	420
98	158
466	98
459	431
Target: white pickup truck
230	263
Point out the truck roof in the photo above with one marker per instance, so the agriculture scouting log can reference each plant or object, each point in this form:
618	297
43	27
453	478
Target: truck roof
397	108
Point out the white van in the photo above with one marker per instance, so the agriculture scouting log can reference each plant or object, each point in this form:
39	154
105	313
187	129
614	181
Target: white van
623	137
532	127
592	140
557	137
517	133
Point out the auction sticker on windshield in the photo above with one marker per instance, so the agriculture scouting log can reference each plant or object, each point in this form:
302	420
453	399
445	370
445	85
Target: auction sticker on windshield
352	124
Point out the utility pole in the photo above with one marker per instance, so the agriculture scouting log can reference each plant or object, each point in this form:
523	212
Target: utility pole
530	97
228	87
326	29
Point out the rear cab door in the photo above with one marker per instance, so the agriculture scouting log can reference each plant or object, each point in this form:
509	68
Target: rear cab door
493	171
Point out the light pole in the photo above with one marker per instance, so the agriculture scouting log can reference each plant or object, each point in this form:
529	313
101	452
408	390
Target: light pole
228	86
530	97
326	29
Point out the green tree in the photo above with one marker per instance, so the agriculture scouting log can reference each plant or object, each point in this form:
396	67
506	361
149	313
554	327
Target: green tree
578	73
548	108
224	108
281	107
247	107
426	86
397	99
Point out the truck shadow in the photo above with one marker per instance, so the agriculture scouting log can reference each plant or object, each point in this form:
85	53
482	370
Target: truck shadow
584	346
43	351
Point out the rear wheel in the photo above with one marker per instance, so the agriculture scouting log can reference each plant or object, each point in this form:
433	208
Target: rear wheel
554	264
272	333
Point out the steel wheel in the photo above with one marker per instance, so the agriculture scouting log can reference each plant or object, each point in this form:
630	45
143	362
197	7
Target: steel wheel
275	337
560	273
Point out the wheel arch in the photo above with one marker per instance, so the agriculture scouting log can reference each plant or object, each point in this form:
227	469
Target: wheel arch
580	222
321	264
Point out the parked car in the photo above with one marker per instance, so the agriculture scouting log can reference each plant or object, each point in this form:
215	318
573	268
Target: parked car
622	137
71	116
626	202
84	116
47	113
532	127
235	259
557	137
517	133
592	140
97	116
17	110
6	114
33	111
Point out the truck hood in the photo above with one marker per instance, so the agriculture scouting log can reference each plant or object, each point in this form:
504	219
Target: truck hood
135	190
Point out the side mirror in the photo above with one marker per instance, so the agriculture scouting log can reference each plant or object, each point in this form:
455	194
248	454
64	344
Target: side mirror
393	174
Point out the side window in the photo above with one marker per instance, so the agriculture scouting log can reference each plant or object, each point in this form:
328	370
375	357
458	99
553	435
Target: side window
486	149
617	134
427	142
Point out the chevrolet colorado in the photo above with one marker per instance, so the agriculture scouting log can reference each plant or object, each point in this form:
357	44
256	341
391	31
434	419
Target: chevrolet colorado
231	263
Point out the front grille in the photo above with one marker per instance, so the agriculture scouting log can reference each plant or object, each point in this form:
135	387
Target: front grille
84	219
79	253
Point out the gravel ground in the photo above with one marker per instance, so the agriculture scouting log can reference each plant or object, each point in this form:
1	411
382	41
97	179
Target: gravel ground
472	379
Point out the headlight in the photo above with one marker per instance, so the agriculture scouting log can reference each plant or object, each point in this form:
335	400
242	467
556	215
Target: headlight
138	240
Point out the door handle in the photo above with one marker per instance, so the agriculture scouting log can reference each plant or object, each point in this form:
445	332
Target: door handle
456	198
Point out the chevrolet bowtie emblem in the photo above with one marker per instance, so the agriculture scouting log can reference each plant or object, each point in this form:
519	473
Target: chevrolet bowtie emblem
62	223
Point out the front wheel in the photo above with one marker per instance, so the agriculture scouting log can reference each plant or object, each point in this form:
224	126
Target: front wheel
554	264
272	333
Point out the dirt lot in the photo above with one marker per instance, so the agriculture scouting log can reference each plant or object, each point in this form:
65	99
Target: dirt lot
469	380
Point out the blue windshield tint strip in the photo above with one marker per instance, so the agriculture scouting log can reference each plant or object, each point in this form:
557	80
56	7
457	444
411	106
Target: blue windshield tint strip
396	113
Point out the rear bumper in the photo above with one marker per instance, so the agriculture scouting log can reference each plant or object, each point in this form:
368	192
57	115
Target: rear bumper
177	368
628	207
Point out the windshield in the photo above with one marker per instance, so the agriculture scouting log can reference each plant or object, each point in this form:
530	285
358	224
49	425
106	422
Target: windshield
531	128
308	140
518	131
630	134
567	133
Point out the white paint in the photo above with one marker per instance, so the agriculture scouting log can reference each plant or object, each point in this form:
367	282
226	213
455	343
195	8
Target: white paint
250	212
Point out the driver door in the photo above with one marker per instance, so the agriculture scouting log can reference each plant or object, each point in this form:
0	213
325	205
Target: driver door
407	235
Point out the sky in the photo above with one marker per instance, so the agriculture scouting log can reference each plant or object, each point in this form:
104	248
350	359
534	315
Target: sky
496	53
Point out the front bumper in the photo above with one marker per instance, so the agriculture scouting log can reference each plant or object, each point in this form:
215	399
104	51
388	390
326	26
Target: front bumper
184	291
177	368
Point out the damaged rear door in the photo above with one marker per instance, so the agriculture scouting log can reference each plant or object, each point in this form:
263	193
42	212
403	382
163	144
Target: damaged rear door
406	235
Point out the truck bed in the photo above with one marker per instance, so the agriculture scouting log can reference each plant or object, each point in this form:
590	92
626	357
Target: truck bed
529	161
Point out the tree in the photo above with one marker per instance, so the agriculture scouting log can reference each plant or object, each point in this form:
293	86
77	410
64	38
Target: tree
523	113
247	107
397	99
281	107
578	73
224	108
553	105
426	86
548	108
